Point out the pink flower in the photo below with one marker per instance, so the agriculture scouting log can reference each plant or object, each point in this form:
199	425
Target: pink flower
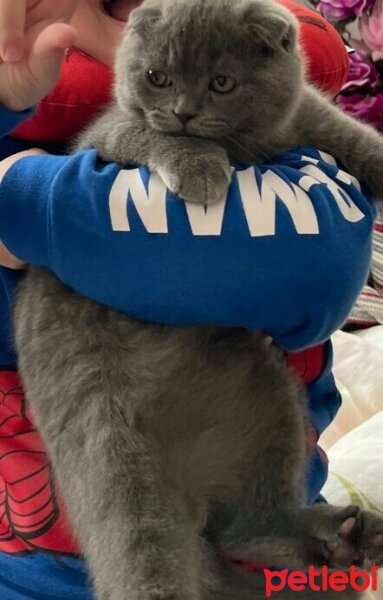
340	10
371	29
362	73
367	108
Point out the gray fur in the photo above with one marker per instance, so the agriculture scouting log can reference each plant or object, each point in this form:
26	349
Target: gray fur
171	442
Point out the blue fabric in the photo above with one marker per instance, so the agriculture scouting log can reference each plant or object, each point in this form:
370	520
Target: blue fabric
9	120
43	576
297	286
317	474
9	279
295	279
324	397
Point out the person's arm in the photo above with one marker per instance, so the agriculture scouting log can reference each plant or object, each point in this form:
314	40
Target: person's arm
287	254
34	36
8	120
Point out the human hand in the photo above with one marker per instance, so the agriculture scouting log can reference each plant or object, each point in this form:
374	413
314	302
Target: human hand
9	260
33	37
6	258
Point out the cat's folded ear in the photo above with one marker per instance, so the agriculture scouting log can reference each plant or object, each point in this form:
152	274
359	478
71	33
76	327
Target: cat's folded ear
143	18
275	26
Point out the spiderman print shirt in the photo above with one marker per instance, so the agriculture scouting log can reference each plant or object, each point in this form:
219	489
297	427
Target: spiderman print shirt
32	514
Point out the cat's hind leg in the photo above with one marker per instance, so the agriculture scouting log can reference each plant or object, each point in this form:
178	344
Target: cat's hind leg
325	535
84	383
343	536
270	454
270	458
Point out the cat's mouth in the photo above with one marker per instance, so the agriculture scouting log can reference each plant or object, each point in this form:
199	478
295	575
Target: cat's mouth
119	9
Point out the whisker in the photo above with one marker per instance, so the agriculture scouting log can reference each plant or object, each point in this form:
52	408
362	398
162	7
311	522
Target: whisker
212	121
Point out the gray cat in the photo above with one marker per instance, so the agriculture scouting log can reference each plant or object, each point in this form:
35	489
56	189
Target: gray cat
178	447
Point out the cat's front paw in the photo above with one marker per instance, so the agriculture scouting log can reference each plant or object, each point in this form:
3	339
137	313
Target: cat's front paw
197	176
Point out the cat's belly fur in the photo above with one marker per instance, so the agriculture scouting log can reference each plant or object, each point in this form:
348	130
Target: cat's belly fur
204	397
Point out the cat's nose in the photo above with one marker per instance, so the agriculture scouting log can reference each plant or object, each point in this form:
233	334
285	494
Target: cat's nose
183	117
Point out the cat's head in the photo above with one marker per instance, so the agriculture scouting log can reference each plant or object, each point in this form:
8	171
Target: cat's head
210	68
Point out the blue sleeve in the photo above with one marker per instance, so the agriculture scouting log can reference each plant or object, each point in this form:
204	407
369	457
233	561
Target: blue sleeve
287	252
324	402
324	397
9	120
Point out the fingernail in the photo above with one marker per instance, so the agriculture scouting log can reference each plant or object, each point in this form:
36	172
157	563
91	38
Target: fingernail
13	53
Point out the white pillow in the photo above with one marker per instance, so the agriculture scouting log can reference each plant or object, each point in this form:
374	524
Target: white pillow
356	471
358	369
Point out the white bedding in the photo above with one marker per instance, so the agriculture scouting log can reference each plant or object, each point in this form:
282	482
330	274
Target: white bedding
355	441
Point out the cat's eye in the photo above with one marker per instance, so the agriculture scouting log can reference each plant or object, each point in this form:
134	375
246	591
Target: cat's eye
158	79
222	84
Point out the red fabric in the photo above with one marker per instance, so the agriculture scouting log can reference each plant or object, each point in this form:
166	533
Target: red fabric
307	364
32	515
251	567
83	89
